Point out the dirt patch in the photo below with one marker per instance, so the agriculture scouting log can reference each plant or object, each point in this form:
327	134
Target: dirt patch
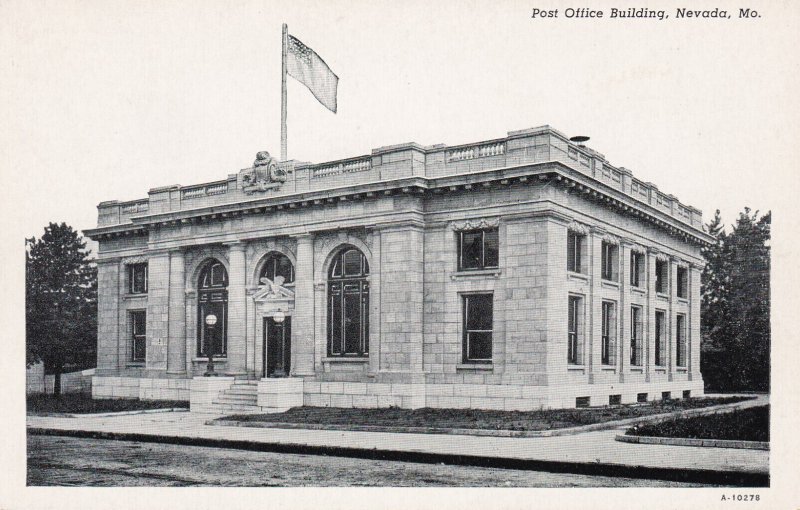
84	404
477	418
743	425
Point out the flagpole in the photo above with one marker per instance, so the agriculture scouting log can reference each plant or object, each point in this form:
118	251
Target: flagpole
284	48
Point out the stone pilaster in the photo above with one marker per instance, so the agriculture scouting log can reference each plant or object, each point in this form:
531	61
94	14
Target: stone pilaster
672	337
108	315
237	310
693	326
623	310
176	348
157	310
594	313
649	319
402	298
303	318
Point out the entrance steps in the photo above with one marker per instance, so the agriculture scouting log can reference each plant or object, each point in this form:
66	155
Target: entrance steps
228	395
241	397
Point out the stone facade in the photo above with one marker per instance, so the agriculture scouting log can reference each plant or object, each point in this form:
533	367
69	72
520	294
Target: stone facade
406	209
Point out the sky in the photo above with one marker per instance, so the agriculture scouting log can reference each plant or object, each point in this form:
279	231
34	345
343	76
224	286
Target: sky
109	99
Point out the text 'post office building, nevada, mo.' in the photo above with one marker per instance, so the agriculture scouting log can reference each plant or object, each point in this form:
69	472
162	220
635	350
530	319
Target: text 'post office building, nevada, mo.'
518	273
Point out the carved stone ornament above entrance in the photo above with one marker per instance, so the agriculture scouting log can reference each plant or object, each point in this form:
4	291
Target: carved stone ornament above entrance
475	224
273	290
264	175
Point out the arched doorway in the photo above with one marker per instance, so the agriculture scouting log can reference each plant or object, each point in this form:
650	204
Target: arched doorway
276	325
348	304
212	299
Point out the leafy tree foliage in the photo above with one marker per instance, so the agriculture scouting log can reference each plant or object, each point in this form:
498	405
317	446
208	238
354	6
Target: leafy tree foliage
736	305
60	302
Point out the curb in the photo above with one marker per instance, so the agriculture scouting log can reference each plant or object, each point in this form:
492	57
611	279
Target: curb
704	476
116	413
687	441
641	420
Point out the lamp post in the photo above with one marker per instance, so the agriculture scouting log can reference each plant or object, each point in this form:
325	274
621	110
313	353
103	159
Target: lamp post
211	321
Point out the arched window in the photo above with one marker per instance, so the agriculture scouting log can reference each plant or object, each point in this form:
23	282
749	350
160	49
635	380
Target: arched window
277	264
212	299
348	304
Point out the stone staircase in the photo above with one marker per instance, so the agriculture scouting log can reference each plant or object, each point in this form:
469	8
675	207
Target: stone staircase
240	398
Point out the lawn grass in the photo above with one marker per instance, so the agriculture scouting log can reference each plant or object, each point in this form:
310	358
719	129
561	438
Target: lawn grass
79	403
478	418
743	425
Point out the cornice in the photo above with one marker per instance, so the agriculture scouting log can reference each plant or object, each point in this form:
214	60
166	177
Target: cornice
547	172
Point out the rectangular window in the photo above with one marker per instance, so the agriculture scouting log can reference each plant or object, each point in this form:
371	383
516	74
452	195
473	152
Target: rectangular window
636	336
138	335
683	282
661	336
609	340
478	320
680	340
575	244
637	268
609	261
574	348
137	278
661	277
478	249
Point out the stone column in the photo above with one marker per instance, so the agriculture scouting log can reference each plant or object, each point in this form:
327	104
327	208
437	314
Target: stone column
176	347
237	310
303	318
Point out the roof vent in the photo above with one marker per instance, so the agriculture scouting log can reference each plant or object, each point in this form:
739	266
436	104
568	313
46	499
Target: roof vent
580	140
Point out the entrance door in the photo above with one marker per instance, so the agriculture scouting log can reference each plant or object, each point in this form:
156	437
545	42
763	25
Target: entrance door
277	347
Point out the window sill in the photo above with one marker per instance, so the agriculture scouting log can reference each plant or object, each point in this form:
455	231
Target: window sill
577	276
681	370
134	296
660	370
475	272
576	367
683	300
609	284
637	370
217	359
135	364
475	366
638	290
334	359
663	296
608	369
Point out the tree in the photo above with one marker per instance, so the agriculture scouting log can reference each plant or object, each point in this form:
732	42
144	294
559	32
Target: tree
736	305
60	302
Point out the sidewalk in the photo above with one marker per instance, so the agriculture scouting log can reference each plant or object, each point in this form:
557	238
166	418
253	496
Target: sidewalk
593	452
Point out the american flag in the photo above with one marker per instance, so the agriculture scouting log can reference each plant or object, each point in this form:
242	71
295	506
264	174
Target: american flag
303	64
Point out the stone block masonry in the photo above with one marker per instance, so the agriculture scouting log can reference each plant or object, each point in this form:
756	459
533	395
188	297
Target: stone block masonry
399	334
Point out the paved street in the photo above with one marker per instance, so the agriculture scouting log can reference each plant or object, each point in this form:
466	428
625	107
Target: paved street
99	462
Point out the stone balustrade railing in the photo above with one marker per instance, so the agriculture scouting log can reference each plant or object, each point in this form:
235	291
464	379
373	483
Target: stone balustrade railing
476	151
340	167
134	207
217	188
532	146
